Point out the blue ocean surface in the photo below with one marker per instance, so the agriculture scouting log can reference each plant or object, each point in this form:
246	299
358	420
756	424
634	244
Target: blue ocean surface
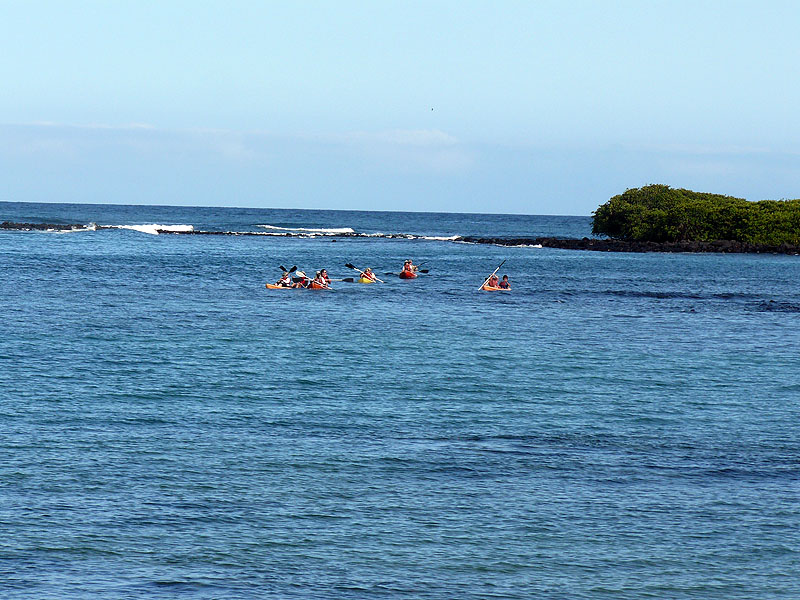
617	426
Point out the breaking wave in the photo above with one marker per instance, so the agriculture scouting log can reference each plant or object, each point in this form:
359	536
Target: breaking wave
154	228
272	230
346	232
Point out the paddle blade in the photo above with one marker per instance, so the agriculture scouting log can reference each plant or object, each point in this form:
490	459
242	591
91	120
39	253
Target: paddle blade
282	268
349	280
349	266
423	270
293	269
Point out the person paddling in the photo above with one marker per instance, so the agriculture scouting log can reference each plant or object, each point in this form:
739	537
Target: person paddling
492	281
504	285
302	282
321	279
285	280
408	267
368	274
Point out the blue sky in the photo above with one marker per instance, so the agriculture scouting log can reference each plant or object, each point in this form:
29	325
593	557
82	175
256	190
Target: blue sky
520	107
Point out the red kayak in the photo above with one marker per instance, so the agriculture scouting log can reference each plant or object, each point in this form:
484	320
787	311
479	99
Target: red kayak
407	275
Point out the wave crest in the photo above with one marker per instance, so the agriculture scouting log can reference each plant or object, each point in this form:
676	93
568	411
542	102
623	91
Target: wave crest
155	228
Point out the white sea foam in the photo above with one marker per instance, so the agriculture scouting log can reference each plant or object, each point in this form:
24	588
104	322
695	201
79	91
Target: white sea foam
451	238
89	227
312	230
154	228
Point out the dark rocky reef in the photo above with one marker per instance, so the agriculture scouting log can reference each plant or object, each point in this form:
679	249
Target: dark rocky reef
597	244
611	245
40	226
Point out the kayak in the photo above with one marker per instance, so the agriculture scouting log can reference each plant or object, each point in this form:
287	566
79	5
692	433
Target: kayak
313	286
365	280
407	275
488	288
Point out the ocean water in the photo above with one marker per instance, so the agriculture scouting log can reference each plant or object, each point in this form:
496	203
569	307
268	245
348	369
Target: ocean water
618	426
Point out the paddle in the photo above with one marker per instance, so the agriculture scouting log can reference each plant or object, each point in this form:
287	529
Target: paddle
349	266
493	272
285	272
345	279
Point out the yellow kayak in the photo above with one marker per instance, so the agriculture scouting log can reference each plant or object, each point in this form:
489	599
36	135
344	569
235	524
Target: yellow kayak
365	280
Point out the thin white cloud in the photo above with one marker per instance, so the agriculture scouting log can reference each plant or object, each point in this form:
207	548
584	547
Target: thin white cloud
397	150
403	137
88	126
704	149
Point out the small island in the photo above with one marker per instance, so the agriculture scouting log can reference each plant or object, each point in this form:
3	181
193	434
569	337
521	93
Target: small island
658	218
658	213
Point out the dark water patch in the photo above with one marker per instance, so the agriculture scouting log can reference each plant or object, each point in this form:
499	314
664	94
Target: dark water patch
778	306
661	295
191	587
679	295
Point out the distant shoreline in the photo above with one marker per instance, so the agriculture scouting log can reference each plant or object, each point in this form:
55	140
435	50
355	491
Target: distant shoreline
595	244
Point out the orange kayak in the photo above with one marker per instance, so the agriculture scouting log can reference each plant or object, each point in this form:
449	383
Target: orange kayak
313	286
488	288
407	275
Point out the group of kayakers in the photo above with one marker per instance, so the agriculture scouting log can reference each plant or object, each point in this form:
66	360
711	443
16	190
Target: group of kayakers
321	279
301	280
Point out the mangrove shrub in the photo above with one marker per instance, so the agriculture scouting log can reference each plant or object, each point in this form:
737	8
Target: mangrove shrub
659	213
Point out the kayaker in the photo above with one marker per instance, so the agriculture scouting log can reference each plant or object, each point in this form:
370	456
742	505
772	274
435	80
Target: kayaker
492	282
320	279
323	276
368	274
285	280
303	281
505	285
409	267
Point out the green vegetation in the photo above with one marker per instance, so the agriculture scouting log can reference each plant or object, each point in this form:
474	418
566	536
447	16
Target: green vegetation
658	213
